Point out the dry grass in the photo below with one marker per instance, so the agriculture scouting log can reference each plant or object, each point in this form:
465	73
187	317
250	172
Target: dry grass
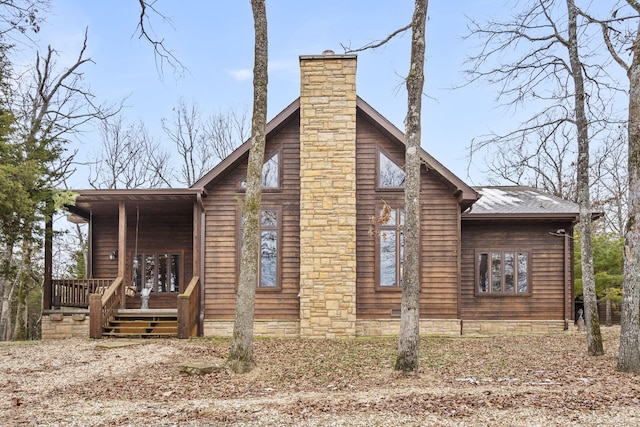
502	380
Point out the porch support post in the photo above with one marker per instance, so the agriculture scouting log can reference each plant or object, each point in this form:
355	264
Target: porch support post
48	262
122	248
199	218
95	316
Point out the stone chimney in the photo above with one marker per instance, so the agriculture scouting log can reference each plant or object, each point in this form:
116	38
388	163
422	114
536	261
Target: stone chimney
327	195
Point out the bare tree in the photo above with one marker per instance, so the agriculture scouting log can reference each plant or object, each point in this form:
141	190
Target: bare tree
618	41
224	132
409	340
629	350
202	142
549	166
610	183
551	77
145	28
594	338
50	104
129	158
241	354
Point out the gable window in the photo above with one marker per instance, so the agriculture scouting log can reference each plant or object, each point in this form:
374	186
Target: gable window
390	175
390	248
268	271
157	271
270	173
504	272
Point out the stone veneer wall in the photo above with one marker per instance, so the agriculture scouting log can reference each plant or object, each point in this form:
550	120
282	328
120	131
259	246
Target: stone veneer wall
377	327
505	327
327	196
273	328
65	324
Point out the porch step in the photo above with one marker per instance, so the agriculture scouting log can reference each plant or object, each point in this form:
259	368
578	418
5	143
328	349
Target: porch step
143	323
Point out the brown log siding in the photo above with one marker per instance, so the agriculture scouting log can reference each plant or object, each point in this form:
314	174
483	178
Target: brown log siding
439	270
439	236
222	238
546	264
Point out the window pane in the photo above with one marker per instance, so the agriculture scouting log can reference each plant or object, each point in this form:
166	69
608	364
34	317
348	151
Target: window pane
483	272
268	259
149	270
509	272
387	258
270	172
496	272
137	276
522	272
162	273
175	273
391	175
269	218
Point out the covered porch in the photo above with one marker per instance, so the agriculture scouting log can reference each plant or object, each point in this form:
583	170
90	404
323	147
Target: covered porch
140	242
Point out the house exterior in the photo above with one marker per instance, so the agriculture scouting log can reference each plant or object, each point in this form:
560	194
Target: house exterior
492	259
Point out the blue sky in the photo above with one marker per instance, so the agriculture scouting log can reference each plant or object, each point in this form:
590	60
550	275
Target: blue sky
214	40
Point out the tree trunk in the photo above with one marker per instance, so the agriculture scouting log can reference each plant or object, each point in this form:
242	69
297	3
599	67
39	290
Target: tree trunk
629	350
241	355
592	321
21	323
409	339
7	287
608	320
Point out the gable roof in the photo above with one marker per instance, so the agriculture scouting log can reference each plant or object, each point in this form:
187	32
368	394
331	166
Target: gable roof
466	195
520	202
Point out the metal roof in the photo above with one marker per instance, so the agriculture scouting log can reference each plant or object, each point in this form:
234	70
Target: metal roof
520	202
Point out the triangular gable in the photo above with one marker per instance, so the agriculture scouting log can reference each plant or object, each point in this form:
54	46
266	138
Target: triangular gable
466	195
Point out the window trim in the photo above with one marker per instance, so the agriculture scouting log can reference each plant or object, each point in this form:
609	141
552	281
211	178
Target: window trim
377	235
501	294
278	229
276	189
379	187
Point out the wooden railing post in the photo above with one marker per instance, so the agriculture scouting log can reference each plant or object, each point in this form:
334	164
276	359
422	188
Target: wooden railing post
188	306
95	316
183	316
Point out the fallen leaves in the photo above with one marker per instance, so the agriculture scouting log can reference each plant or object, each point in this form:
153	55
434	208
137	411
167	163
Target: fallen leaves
480	380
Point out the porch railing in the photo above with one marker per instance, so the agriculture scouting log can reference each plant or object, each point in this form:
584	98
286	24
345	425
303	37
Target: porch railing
75	292
102	307
188	309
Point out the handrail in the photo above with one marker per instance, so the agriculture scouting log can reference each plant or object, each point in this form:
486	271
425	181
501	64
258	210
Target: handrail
188	305
75	292
102	307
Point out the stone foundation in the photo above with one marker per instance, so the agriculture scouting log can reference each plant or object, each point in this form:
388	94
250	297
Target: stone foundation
382	327
273	328
61	324
505	327
377	327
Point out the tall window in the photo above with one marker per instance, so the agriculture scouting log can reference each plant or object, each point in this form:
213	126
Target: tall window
268	272
503	272
270	173
390	174
157	271
391	247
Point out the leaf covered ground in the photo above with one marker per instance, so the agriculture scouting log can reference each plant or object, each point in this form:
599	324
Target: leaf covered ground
521	380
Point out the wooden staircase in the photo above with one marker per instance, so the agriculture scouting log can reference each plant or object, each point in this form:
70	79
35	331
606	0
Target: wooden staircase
149	323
